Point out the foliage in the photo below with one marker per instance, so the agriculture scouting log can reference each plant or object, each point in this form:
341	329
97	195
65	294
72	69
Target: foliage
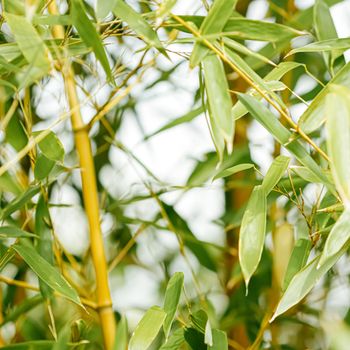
284	229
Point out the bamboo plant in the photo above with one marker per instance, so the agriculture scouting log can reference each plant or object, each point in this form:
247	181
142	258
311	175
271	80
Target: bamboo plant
73	73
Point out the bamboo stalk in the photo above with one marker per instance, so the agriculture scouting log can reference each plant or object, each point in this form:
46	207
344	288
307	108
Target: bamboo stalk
90	197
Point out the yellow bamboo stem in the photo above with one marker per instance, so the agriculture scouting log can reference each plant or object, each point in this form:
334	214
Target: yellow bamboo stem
90	197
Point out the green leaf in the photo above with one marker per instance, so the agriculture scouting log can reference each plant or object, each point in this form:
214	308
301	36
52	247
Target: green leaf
218	97
315	114
188	117
137	23
31	345
214	22
252	233
175	340
342	45
104	7
337	238
297	260
305	174
164	9
338	138
30	43
147	329
275	173
43	167
51	146
14	232
15	133
9	183
248	29
89	35
172	298
232	170
19	201
191	242
44	245
325	29
121	337
236	46
304	281
265	117
63	338
22	308
219	340
195	339
45	271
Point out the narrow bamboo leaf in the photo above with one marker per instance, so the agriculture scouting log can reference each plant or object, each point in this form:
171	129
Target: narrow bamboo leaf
89	35
178	121
29	42
305	174
248	29
172	299
19	201
283	243
9	183
214	22
304	281
6	254
341	44
164	9
272	83
147	329
191	242
31	345
137	23
45	271
22	308
297	260
236	46
15	134
194	339
51	146
219	340
275	172
245	68
232	170
43	167
265	117
216	135
338	138
337	238
218	96
315	114
52	20
121	338
16	7
14	232
325	30
252	233
199	320
104	7
282	69
44	245
63	338
175	340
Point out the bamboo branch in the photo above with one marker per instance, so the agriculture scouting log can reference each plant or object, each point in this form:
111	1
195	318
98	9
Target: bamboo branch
26	285
90	196
252	84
